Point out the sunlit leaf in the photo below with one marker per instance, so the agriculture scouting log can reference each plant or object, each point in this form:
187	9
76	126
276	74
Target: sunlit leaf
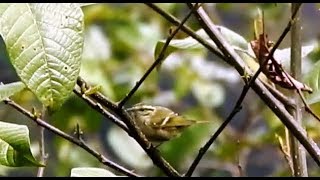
15	146
44	42
189	43
208	93
91	172
213	70
258	24
313	81
283	56
7	90
134	156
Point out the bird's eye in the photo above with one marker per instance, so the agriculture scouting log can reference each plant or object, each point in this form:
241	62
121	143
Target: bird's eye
145	112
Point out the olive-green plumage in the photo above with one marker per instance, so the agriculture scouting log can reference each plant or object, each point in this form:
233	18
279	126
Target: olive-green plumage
159	123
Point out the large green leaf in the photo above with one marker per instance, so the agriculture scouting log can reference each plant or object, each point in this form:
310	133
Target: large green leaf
91	172
15	146
7	90
311	78
44	42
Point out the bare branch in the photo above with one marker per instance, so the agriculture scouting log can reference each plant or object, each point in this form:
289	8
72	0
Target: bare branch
98	107
159	58
135	132
204	149
185	29
72	139
273	103
133	129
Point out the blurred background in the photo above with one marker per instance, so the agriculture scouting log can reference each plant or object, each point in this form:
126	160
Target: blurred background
119	47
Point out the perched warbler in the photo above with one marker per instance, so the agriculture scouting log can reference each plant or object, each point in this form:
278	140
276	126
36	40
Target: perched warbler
159	124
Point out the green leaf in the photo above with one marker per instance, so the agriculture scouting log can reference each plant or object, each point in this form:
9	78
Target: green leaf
44	42
312	80
91	172
7	90
189	43
15	146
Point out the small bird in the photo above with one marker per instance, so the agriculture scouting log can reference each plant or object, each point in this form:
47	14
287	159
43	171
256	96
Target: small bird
159	124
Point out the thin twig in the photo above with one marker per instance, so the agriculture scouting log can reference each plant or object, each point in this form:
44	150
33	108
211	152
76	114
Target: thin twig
205	21
43	153
135	132
284	149
240	169
275	47
288	102
98	107
295	10
158	60
270	56
152	152
72	139
257	86
97	95
273	103
185	29
204	149
284	99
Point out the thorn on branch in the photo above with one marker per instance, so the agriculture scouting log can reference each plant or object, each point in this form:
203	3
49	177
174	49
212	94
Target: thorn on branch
78	132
